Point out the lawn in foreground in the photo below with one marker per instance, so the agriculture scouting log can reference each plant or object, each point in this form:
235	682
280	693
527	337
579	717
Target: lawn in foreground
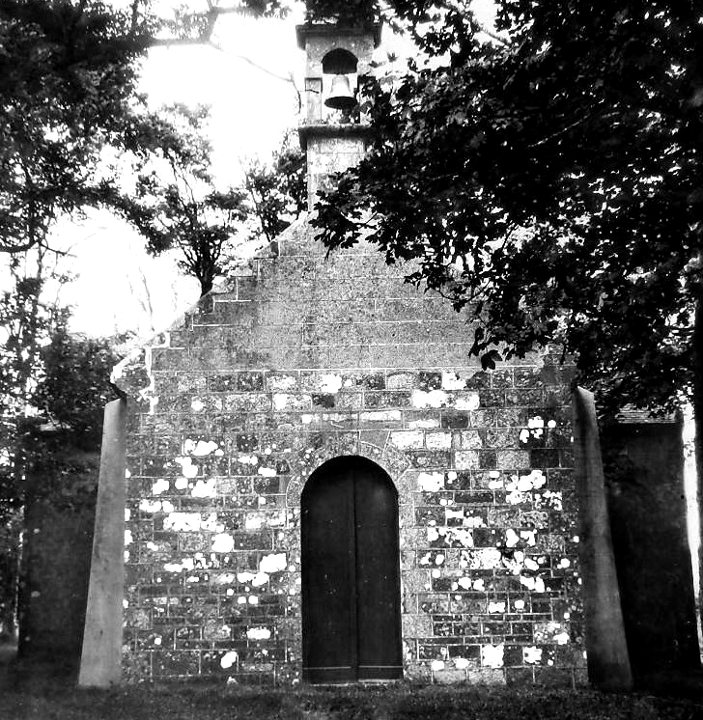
59	701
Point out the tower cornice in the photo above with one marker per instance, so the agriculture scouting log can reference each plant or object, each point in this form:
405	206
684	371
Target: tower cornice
333	29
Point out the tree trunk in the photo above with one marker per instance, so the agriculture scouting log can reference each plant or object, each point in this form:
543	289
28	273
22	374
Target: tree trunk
698	417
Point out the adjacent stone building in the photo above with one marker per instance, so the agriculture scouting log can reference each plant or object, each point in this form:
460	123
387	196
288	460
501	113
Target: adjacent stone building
322	484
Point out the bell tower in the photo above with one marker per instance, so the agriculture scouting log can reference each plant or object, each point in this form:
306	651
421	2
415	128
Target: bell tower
335	128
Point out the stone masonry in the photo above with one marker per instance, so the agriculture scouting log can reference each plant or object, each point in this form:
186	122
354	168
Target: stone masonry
306	359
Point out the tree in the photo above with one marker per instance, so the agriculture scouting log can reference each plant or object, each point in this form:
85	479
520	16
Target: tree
25	322
556	173
69	101
68	74
350	12
75	384
176	205
68	84
550	180
60	448
21	324
278	192
53	387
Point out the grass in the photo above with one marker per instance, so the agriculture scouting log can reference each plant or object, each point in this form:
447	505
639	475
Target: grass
48	692
36	698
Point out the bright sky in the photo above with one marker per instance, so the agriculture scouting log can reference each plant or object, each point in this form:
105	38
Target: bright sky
253	103
118	286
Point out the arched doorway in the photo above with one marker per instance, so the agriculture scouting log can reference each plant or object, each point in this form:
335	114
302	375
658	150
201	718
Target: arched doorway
350	573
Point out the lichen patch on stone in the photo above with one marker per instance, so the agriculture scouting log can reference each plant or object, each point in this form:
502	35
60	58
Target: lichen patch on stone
275	562
331	383
160	486
492	655
188	468
205	488
183	522
430	482
258	633
229	659
222	543
201	448
430	398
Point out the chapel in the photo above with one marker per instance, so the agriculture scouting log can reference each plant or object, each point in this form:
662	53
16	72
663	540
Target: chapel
322	485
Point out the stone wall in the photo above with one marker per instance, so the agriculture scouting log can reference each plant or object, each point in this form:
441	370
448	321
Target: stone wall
644	463
59	519
307	359
327	155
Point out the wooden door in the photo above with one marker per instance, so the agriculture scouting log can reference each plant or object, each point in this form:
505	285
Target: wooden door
351	586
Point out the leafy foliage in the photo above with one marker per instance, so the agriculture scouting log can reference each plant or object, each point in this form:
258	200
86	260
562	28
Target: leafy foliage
176	204
68	84
195	26
47	378
550	180
68	105
75	385
24	322
278	193
60	444
346	12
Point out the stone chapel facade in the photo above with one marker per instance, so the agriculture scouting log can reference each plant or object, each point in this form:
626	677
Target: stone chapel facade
322	484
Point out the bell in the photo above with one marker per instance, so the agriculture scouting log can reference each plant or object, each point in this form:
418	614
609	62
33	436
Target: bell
341	97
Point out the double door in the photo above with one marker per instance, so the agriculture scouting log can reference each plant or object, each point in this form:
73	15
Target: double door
350	575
